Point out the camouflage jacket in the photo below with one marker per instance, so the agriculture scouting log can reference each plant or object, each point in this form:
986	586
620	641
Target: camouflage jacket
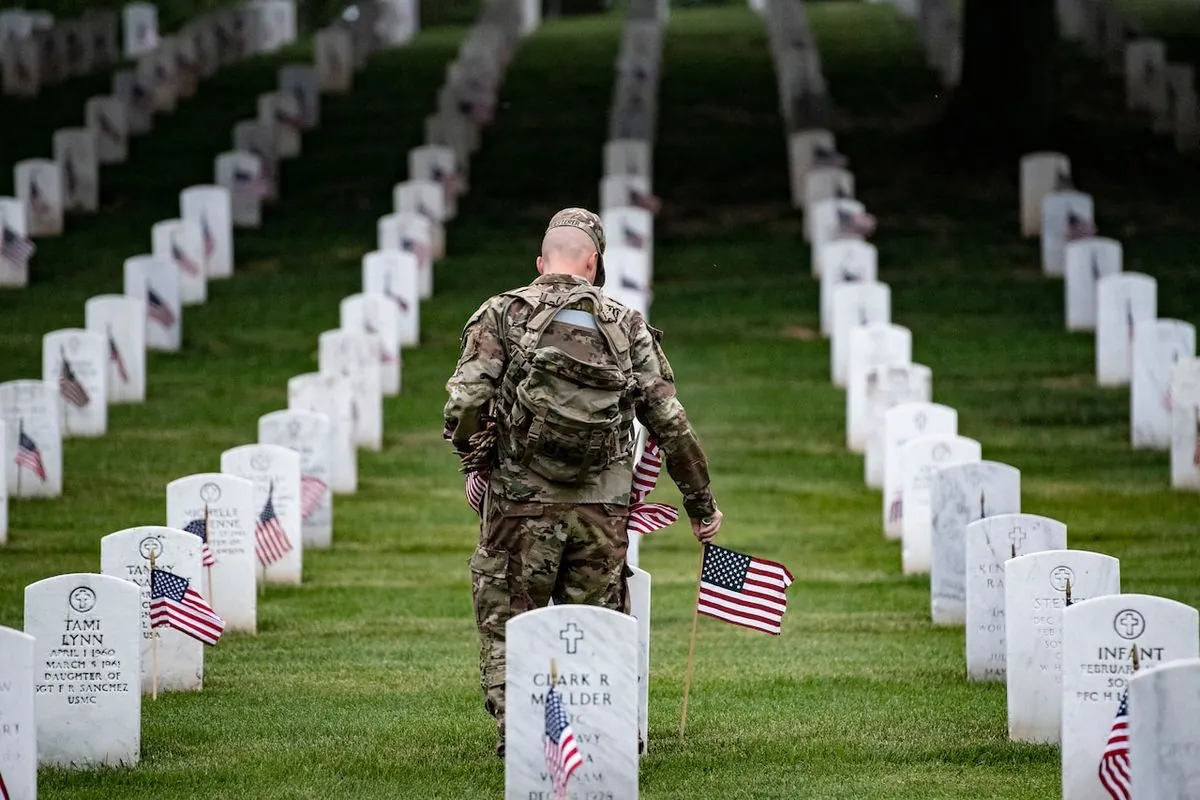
487	341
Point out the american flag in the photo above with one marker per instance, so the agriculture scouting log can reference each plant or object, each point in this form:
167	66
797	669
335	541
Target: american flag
447	178
400	302
175	604
29	456
646	517
650	202
743	590
629	283
247	183
1079	227
417	248
200	528
40	208
312	492
896	510
108	128
286	119
158	310
185	262
271	540
1114	763
854	223
634	239
828	157
210	241
114	355
16	248
476	488
70	387
562	754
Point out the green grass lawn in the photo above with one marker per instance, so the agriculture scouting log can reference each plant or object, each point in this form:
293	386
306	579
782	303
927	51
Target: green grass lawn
362	683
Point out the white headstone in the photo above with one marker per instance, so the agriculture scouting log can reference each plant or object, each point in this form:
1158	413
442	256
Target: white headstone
96	719
824	183
355	356
1185	425
438	163
628	157
257	139
308	433
181	242
843	261
1088	260
13	272
141	28
630	227
331	395
396	275
920	460
832	220
1164	730
21	64
802	149
1099	636
33	446
156	283
333	51
377	314
855	305
1145	66
411	233
280	112
1035	592
106	117
877	344
958	496
39	187
242	174
126	555
275	473
223	506
18	734
76	361
901	424
1158	345
989	544
1066	216
127	87
209	208
595	651
1040	175
119	319
887	387
639	609
75	151
300	81
1121	300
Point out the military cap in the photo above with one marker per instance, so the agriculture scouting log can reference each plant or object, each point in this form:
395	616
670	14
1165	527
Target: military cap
590	224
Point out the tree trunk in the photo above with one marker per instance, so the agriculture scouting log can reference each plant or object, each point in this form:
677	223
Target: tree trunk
1005	100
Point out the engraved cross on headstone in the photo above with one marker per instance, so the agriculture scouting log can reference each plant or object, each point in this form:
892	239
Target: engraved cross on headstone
1017	537
1130	622
571	635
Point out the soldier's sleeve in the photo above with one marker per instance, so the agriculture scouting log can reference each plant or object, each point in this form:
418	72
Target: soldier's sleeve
476	377
659	409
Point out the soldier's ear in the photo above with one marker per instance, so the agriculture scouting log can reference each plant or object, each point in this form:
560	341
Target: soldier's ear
541	266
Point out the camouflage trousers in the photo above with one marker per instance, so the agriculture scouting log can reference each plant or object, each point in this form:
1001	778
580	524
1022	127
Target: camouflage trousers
530	553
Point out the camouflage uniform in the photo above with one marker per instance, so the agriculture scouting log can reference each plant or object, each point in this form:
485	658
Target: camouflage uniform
540	539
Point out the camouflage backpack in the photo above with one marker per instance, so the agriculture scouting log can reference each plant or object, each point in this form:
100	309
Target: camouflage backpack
564	418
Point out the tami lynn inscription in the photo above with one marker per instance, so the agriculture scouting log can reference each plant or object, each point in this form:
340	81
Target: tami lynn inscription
82	668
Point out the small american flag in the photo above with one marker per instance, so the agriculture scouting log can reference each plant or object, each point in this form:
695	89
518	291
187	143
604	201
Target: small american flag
158	310
185	262
1079	227
210	241
855	223
743	590
417	248
634	239
175	604
200	528
312	492
476	488
287	120
629	283
828	157
896	510
650	202
646	517
16	248
270	539
70	387
447	178
114	355
29	456
562	754
247	183
1114	763
40	208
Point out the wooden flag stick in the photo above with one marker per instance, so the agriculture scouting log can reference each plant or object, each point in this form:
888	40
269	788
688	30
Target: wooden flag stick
553	674
153	643
208	570
1137	659
687	680
1068	591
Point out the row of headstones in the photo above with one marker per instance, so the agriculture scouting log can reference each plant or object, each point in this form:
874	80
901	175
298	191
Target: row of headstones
988	562
93	716
1155	357
46	189
800	80
38	50
600	659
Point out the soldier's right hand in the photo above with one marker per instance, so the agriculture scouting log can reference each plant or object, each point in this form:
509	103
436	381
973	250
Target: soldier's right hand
705	529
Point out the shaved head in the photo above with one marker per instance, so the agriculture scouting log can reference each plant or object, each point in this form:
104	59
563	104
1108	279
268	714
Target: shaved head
567	250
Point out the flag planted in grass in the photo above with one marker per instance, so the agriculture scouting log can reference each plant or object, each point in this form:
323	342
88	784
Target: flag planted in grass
270	539
562	754
158	309
1079	227
1114	763
69	386
742	589
312	492
175	604
29	456
16	248
114	355
199	527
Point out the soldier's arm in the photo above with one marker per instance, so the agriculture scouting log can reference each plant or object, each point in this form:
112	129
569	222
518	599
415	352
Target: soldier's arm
659	409
476	377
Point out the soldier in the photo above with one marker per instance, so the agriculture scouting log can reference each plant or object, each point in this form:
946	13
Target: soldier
548	382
